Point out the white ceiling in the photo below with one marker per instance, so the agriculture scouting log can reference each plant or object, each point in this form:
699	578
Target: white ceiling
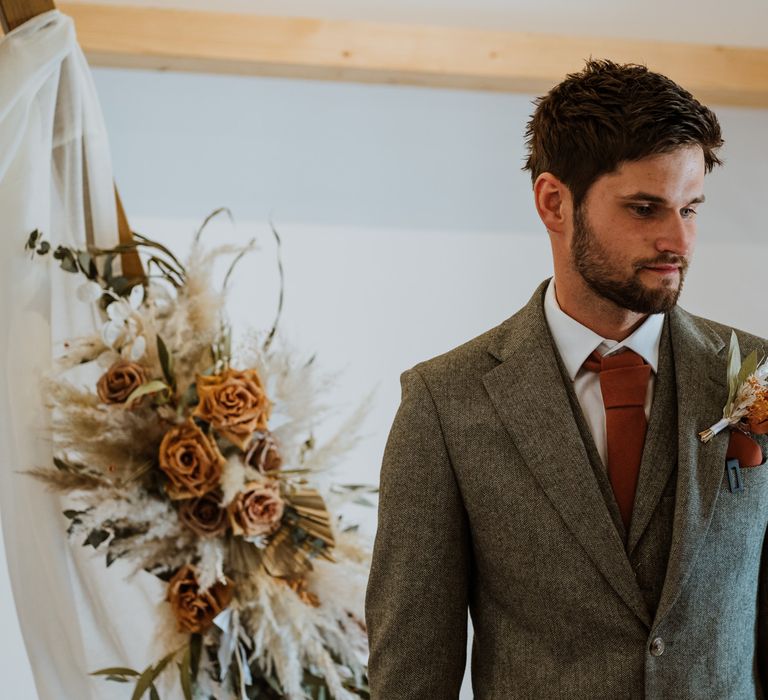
733	22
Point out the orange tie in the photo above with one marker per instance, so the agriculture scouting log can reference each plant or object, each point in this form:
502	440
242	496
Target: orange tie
624	383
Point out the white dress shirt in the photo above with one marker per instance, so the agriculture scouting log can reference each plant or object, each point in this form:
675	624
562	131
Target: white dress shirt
575	342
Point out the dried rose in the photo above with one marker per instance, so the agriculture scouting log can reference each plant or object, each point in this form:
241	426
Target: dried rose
195	609
120	381
264	455
234	403
204	515
191	461
257	510
757	414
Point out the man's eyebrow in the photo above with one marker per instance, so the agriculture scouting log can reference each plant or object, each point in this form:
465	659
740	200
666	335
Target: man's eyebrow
647	197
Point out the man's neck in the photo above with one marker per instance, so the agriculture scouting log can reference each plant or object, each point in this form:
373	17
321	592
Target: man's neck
595	312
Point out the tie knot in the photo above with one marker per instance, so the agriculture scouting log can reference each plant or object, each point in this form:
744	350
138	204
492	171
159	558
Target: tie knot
600	363
623	377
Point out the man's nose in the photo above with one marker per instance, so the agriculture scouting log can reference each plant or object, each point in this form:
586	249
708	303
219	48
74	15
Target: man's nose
677	237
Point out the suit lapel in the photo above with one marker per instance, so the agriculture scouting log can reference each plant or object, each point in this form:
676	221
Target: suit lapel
657	462
528	393
701	390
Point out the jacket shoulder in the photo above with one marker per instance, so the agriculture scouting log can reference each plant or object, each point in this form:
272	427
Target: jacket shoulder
470	359
747	341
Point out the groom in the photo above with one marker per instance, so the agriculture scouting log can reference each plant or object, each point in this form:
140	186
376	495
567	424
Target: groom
548	474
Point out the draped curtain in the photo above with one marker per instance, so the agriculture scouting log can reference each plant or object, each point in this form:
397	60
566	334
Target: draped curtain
55	176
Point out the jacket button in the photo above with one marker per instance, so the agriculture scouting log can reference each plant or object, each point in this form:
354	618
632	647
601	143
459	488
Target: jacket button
657	647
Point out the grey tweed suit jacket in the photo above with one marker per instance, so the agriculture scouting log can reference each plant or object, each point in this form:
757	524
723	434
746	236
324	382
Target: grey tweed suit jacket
491	500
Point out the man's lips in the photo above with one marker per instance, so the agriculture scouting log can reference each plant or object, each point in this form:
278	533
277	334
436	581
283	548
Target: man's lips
663	269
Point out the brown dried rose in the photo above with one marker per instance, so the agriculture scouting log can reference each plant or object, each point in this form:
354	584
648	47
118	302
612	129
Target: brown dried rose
264	455
191	461
195	609
257	510
204	515
234	403
120	381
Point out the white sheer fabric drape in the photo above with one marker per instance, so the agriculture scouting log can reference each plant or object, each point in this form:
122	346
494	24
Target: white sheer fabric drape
56	176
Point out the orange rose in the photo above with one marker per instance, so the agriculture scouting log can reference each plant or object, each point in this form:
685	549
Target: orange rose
757	415
120	381
191	461
257	510
234	403
195	609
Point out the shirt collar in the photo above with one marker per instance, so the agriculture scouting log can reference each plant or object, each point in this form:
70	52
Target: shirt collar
575	342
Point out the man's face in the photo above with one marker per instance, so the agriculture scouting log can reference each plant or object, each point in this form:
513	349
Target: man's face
633	234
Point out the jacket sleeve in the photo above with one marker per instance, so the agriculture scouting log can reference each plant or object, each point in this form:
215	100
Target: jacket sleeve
416	601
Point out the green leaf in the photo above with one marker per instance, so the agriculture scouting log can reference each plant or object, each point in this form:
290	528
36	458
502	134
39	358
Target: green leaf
60	464
195	650
32	240
153	694
185	675
95	538
108	268
142	685
149	388
115	671
166	362
44	248
147	679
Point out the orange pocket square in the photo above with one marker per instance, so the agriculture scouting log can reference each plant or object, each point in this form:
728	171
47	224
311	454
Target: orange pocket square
745	449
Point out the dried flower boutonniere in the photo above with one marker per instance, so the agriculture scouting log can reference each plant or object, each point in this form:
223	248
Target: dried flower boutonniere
747	405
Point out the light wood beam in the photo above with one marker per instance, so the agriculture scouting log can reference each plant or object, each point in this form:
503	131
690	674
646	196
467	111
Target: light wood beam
213	42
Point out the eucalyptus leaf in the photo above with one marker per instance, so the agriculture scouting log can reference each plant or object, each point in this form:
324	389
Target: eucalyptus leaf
195	650
166	361
153	694
149	388
32	240
108	268
115	671
185	675
142	685
60	464
95	538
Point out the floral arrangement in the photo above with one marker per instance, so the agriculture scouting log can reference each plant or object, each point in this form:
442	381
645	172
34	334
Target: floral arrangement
192	461
747	407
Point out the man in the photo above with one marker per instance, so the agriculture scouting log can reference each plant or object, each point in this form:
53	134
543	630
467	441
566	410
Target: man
549	475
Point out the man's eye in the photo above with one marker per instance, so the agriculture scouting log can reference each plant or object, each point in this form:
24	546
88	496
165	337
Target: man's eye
688	212
643	210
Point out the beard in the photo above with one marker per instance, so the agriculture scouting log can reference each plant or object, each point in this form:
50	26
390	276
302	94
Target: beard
603	274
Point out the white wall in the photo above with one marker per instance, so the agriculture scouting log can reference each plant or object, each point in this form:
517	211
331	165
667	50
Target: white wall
407	224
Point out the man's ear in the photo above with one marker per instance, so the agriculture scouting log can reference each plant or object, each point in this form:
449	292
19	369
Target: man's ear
553	202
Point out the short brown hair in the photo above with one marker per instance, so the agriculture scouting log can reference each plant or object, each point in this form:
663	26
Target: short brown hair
609	113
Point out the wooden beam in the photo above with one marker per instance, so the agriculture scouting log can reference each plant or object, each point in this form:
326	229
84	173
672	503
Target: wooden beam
13	13
213	42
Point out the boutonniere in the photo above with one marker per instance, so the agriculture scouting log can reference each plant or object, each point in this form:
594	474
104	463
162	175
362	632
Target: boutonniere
747	405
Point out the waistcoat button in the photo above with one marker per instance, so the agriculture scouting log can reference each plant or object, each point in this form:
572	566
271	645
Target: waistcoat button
657	647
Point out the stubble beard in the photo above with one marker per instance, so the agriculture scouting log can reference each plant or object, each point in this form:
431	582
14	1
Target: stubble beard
596	267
